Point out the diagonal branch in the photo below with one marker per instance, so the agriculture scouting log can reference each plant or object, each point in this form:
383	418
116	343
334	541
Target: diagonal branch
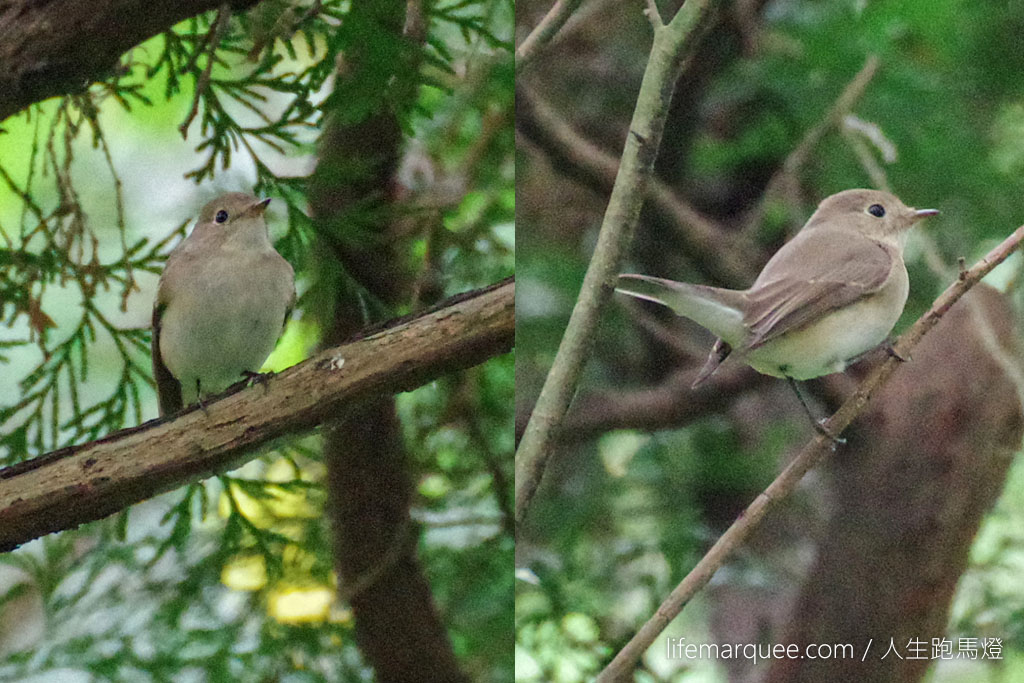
785	176
669	405
83	483
622	665
544	32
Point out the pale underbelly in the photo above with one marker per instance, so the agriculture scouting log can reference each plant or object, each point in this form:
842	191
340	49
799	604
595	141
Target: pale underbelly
827	346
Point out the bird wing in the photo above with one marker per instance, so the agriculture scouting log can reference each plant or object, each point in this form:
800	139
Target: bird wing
811	277
293	297
168	388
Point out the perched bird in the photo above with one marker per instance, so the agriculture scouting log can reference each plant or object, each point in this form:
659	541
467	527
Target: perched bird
221	303
829	295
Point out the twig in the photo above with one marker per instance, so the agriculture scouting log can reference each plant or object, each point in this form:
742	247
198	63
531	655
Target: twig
543	32
398	547
620	218
210	43
879	180
787	173
620	667
653	14
990	340
666	333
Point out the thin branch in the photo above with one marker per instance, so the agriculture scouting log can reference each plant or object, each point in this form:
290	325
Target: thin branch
867	161
833	119
624	662
210	44
786	175
653	14
690	349
620	218
397	549
83	483
543	33
670	405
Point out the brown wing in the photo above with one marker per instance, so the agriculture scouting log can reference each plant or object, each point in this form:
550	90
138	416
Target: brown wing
819	271
168	388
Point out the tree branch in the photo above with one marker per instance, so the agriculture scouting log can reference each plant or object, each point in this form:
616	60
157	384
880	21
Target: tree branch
58	48
83	483
543	32
670	405
620	218
622	665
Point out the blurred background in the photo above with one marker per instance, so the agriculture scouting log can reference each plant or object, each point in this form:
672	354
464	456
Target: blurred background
383	134
909	536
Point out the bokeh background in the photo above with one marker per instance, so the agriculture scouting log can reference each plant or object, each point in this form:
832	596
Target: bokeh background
910	532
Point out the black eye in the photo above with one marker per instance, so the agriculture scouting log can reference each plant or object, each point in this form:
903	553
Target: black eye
876	210
222	216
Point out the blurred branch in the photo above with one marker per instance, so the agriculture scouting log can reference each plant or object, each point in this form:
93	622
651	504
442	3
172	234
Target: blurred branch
667	333
624	662
667	54
543	32
466	410
670	405
784	179
83	483
569	150
858	133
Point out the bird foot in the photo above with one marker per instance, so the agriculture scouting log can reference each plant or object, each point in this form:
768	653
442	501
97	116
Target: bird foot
891	351
261	378
819	426
199	400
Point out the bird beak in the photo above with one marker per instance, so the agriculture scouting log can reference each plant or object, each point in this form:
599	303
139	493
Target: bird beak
919	213
258	208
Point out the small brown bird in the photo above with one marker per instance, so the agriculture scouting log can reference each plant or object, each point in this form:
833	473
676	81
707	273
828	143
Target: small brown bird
826	297
221	303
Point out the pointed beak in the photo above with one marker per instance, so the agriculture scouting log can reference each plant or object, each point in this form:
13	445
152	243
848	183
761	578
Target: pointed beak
258	208
924	213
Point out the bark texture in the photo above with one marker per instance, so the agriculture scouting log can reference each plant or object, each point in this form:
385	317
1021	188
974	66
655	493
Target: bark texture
65	488
59	47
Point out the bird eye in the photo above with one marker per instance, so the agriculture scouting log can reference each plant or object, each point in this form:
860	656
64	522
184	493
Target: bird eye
876	210
222	216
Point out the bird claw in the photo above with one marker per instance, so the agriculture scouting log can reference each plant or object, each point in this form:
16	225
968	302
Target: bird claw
891	351
199	399
819	426
254	378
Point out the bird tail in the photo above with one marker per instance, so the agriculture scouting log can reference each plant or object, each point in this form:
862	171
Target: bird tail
719	310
